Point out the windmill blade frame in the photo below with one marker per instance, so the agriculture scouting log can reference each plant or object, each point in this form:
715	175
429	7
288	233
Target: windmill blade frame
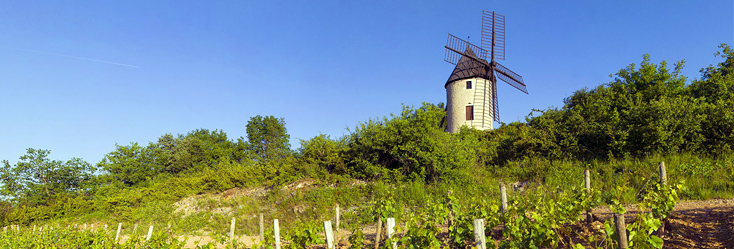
495	103
510	77
493	35
455	48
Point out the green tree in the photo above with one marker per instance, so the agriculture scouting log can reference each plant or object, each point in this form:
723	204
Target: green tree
170	155
715	90
268	138
322	153
412	144
130	165
196	150
37	179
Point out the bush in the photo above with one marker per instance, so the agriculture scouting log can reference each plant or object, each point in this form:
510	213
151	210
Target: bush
411	145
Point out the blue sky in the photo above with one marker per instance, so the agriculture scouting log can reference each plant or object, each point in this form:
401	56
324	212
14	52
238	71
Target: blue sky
77	77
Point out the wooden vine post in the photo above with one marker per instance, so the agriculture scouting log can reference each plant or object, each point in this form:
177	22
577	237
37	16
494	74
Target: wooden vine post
262	229
663	174
117	235
336	228
621	231
337	218
663	182
587	185
276	231
503	197
379	231
150	233
451	209
390	229
231	231
329	233
479	238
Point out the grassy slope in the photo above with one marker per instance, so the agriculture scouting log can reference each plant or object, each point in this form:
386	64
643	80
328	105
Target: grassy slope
312	200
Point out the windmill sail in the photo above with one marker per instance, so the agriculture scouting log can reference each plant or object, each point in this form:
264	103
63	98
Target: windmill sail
496	103
456	49
510	77
493	35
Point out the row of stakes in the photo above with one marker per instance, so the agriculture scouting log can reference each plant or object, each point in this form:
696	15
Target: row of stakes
478	224
117	235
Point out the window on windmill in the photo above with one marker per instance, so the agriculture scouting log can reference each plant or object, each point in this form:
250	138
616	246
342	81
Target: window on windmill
470	112
468	84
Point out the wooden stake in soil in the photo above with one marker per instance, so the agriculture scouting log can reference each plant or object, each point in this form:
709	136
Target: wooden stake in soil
663	182
503	196
337	218
379	231
117	235
587	185
451	210
329	235
479	237
336	234
663	174
135	229
621	231
231	231
150	233
390	228
262	229
276	231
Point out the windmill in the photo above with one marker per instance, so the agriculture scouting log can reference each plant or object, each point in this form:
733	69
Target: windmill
471	90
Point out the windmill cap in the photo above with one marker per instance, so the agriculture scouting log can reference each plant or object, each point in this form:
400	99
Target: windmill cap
468	68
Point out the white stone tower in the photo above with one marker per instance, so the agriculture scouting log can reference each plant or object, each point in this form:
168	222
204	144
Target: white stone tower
469	100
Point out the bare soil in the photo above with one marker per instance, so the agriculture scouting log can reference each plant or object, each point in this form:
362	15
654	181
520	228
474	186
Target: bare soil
693	224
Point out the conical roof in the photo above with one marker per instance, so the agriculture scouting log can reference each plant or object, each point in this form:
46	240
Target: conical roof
468	68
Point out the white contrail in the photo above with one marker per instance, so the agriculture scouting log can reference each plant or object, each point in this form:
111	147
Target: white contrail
70	56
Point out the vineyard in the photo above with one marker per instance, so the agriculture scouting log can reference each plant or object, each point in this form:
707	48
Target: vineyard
536	217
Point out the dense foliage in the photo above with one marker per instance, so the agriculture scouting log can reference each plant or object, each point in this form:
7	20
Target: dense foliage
645	110
36	179
411	145
267	138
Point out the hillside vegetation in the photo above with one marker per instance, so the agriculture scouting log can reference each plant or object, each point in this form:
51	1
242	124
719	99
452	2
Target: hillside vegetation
620	130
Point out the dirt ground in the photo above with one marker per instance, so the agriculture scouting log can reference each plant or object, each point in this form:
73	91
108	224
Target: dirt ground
693	224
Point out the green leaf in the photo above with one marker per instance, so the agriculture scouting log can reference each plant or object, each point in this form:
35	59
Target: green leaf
656	241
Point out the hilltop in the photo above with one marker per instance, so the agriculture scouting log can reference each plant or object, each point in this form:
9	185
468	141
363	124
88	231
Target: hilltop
620	130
